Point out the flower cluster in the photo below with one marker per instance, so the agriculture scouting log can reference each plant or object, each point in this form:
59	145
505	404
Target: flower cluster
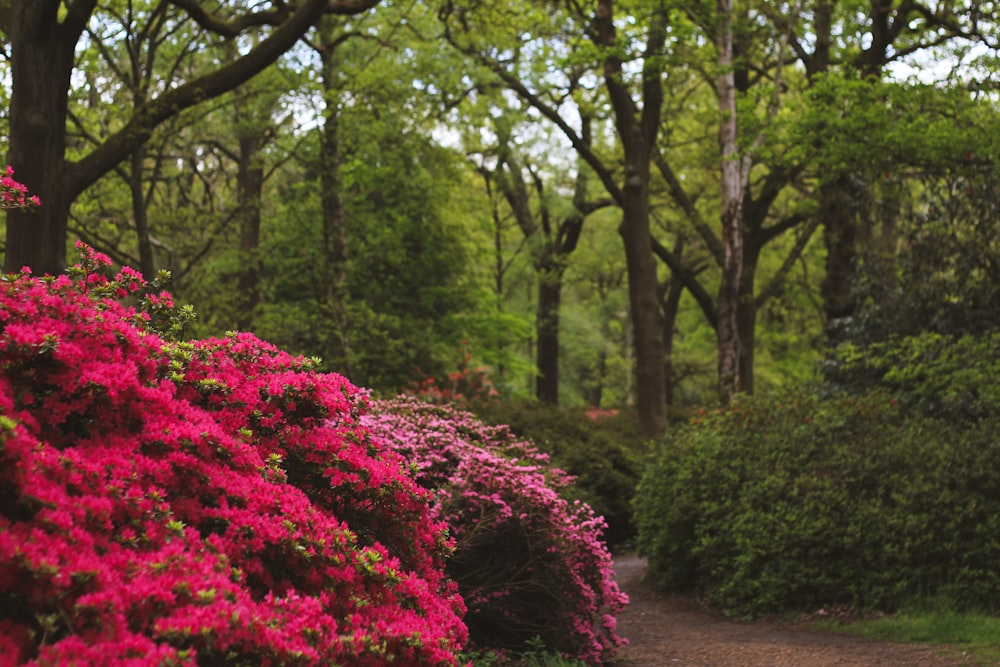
528	562
14	194
198	503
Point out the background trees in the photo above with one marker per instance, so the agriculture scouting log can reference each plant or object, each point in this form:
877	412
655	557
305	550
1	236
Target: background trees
375	188
44	38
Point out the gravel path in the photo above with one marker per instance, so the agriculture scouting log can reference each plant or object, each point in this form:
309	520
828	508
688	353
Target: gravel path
666	630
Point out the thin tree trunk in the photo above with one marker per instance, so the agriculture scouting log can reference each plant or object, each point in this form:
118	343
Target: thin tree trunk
671	308
335	296
547	326
147	263
734	171
250	184
597	392
747	315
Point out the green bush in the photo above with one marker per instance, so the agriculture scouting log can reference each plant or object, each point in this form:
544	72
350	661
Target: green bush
955	377
604	452
793	503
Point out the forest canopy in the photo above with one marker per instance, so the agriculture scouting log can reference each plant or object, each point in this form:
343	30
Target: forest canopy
622	204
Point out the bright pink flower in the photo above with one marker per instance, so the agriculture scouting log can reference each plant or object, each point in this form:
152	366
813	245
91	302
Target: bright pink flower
199	502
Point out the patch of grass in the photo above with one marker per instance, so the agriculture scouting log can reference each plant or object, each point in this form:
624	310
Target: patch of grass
969	633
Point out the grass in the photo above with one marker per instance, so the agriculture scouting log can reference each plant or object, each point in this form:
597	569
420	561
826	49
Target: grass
935	623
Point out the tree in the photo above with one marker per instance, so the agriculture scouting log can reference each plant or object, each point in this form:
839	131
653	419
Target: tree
551	231
636	109
858	44
43	37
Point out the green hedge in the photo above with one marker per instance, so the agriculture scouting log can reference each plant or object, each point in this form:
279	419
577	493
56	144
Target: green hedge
796	503
604	454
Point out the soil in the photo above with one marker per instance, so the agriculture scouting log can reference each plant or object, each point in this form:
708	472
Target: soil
666	630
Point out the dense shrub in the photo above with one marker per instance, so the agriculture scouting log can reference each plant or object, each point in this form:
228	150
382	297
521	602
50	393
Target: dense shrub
793	503
199	503
602	450
528	562
954	377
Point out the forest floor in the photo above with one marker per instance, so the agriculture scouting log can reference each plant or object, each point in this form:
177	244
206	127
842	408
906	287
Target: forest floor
667	630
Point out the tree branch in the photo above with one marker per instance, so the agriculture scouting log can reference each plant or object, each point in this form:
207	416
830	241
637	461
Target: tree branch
234	26
682	199
144	120
690	280
776	282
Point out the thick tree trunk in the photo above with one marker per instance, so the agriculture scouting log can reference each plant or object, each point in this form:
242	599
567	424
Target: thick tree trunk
645	309
41	63
547	345
638	132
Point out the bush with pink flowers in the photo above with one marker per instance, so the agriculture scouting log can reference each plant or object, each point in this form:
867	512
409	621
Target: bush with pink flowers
213	502
529	563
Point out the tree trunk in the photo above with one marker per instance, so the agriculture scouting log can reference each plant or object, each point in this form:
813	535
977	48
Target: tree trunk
840	229
671	307
638	132
735	169
547	326
645	308
41	63
335	295
250	185
747	314
596	394
147	262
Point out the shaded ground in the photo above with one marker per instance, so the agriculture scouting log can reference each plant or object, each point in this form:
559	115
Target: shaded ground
667	630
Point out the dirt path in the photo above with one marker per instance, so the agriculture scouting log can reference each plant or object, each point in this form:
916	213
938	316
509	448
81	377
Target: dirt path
666	630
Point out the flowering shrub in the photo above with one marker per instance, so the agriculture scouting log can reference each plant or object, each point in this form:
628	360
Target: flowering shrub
14	194
197	503
528	562
459	387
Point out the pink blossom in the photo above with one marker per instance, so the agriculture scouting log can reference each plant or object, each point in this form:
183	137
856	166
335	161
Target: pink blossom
186	503
527	561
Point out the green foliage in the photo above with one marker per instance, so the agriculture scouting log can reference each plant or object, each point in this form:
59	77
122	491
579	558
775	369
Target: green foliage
407	261
796	502
534	655
861	126
952	377
603	451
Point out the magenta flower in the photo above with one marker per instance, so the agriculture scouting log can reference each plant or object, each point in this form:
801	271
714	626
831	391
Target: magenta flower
191	503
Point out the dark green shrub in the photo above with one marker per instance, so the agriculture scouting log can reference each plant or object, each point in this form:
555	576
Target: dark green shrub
956	377
795	502
603	452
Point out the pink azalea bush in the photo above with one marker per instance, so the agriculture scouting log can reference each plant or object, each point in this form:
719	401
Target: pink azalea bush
14	194
528	562
211	502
